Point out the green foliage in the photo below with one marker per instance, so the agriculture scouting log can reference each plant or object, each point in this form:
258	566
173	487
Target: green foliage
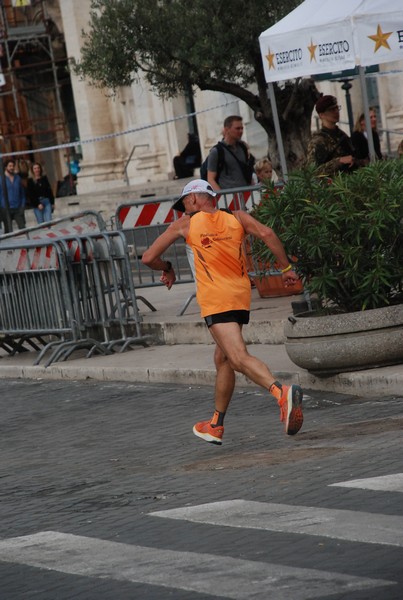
178	45
176	42
346	233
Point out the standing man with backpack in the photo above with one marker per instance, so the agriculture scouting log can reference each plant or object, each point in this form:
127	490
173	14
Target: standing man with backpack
229	163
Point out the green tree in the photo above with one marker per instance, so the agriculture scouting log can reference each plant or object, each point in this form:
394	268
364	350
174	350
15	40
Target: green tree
202	44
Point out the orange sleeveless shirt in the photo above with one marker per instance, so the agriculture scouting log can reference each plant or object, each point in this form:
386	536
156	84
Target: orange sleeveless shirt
221	276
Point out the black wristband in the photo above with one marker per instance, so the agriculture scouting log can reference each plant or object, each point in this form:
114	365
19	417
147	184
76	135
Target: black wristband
169	267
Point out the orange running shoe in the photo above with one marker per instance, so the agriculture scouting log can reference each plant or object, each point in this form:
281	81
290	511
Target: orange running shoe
291	408
208	433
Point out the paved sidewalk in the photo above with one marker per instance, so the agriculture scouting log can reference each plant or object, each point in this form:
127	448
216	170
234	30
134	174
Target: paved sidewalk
187	356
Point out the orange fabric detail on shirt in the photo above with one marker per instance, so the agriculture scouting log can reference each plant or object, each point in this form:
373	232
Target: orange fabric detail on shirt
221	276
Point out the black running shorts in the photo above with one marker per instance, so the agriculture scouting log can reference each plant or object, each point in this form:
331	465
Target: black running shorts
230	316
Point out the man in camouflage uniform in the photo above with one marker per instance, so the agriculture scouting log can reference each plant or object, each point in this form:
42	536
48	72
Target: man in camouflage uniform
330	149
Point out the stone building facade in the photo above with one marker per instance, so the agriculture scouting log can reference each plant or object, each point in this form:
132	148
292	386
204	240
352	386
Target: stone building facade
155	133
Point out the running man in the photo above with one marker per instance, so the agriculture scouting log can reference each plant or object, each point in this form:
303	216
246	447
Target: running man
224	295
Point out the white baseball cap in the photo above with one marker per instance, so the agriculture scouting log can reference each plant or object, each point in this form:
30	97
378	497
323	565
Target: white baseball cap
197	186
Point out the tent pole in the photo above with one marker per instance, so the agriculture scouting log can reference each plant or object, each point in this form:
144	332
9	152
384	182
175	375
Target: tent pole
277	129
372	155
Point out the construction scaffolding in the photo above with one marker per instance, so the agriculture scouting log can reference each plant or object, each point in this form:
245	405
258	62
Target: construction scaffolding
36	100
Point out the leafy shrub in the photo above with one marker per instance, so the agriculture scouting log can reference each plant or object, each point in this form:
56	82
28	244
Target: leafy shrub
346	233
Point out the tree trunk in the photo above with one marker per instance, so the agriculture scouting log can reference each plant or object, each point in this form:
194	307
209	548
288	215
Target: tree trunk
295	102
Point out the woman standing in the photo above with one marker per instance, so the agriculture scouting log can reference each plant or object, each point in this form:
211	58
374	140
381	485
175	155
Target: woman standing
40	194
359	137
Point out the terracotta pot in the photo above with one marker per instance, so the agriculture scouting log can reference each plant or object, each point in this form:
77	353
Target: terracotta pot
330	344
272	286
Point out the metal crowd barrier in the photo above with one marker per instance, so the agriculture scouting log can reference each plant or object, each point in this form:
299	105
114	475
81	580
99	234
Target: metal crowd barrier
81	222
66	294
142	221
158	211
35	299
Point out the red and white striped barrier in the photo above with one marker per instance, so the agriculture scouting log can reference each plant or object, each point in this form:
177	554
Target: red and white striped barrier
150	213
76	224
86	222
45	257
63	231
238	201
161	212
28	259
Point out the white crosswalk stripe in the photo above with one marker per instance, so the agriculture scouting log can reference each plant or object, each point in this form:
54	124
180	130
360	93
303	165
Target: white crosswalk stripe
385	483
340	524
228	577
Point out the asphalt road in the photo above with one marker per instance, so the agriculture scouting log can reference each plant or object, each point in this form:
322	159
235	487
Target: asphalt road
105	494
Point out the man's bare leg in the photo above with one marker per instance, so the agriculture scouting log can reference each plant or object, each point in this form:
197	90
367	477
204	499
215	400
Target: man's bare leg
228	336
231	355
225	380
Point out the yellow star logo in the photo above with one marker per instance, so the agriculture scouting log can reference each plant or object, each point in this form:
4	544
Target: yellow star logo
312	50
270	59
380	39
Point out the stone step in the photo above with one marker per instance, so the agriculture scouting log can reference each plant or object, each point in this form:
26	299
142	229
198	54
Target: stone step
195	332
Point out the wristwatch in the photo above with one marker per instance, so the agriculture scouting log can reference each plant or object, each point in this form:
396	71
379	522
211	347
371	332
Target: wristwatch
169	267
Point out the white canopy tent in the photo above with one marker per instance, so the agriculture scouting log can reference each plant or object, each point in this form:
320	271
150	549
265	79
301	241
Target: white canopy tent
322	36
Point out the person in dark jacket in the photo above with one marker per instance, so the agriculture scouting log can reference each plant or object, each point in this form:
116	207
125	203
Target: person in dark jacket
16	198
190	158
40	194
359	137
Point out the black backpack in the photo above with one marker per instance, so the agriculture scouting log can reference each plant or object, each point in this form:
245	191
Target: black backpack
247	166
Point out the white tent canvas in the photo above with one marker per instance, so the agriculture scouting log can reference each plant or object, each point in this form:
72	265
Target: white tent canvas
322	36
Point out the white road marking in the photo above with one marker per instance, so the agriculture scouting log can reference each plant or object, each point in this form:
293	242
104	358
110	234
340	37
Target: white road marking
348	525
386	483
220	576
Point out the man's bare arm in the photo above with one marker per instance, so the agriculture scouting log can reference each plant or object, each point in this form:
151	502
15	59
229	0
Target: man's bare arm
212	179
272	241
152	256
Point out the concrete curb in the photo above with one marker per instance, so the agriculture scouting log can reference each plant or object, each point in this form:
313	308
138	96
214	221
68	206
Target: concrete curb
193	365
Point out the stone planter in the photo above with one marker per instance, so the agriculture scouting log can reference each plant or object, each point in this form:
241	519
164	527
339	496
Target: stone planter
331	344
